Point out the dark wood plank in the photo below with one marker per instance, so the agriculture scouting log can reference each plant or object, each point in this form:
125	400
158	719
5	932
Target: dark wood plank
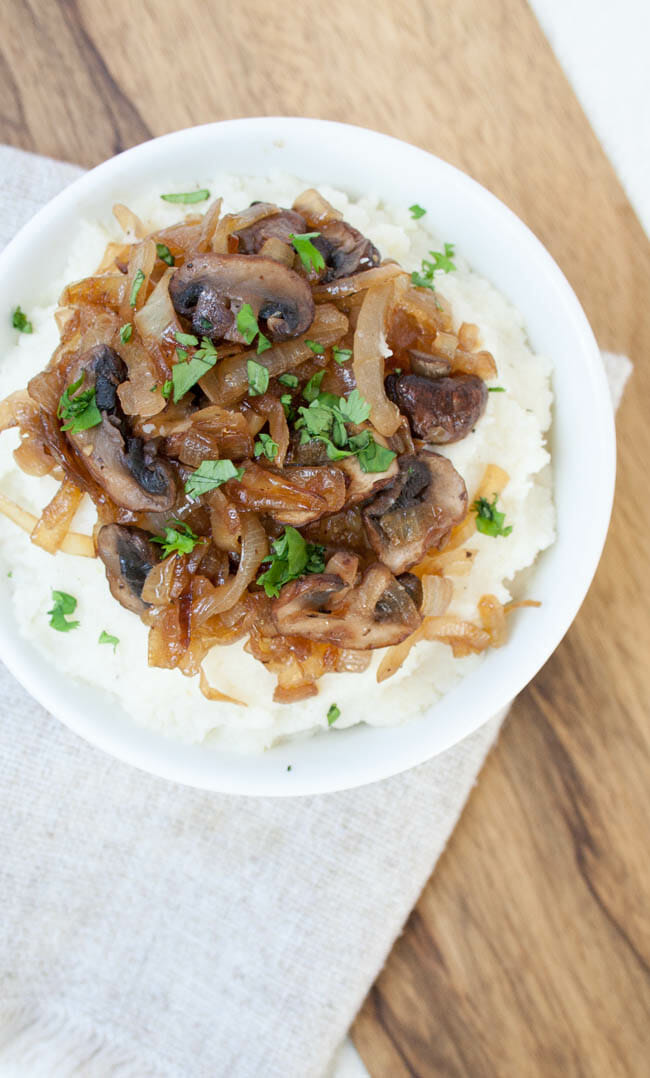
529	951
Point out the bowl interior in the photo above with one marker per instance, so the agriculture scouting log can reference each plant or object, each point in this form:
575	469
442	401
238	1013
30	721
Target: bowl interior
498	246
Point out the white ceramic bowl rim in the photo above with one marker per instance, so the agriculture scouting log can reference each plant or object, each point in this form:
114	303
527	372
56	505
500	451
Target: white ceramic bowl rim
498	246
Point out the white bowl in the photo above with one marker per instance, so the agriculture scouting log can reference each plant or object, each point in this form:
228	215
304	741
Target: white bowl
498	246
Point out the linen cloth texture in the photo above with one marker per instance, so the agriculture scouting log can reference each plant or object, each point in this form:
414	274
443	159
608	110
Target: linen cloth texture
149	929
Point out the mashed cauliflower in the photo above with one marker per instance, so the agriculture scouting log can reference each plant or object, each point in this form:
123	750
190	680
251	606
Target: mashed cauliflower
510	434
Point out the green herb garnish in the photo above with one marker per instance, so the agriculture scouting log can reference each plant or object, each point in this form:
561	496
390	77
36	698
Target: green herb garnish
373	457
310	256
178	539
341	355
80	412
315	347
325	420
266	447
209	475
186	374
64	605
247	323
20	321
138	281
496	389
188	340
442	262
164	254
312	388
416	211
106	638
167	388
286	400
249	329
258	378
354	409
291	557
489	520
333	714
126	332
188	197
288	380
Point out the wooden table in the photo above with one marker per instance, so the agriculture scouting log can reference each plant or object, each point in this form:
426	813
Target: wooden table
529	951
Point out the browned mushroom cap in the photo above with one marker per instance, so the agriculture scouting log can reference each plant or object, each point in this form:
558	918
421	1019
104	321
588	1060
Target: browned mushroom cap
376	613
211	290
128	555
413	586
440	410
345	250
417	511
279	225
127	468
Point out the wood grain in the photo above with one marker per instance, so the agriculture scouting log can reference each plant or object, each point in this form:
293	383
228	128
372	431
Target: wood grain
529	951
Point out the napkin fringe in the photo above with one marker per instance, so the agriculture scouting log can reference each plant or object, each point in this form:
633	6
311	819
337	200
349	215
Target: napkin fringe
53	1044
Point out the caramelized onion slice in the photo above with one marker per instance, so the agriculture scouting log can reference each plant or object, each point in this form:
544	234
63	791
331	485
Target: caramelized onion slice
55	520
368	362
227	383
211	693
437	592
254	548
74	542
342	287
129	221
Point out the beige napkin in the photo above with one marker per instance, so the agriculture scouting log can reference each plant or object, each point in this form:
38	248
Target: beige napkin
150	929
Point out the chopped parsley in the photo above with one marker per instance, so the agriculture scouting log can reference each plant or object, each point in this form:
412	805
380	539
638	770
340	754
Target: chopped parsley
64	605
178	539
442	262
489	520
186	373
312	389
325	420
188	197
258	378
164	254
20	321
341	355
186	339
496	389
310	256
315	347
209	475
417	211
333	714
354	409
291	557
288	380
249	329
286	400
80	412
266	447
167	388
106	638
126	332
138	281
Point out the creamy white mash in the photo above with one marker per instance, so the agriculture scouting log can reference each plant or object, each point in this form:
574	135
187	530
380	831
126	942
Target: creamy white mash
511	434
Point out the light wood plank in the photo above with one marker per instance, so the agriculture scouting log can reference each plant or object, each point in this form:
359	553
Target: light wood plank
529	951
